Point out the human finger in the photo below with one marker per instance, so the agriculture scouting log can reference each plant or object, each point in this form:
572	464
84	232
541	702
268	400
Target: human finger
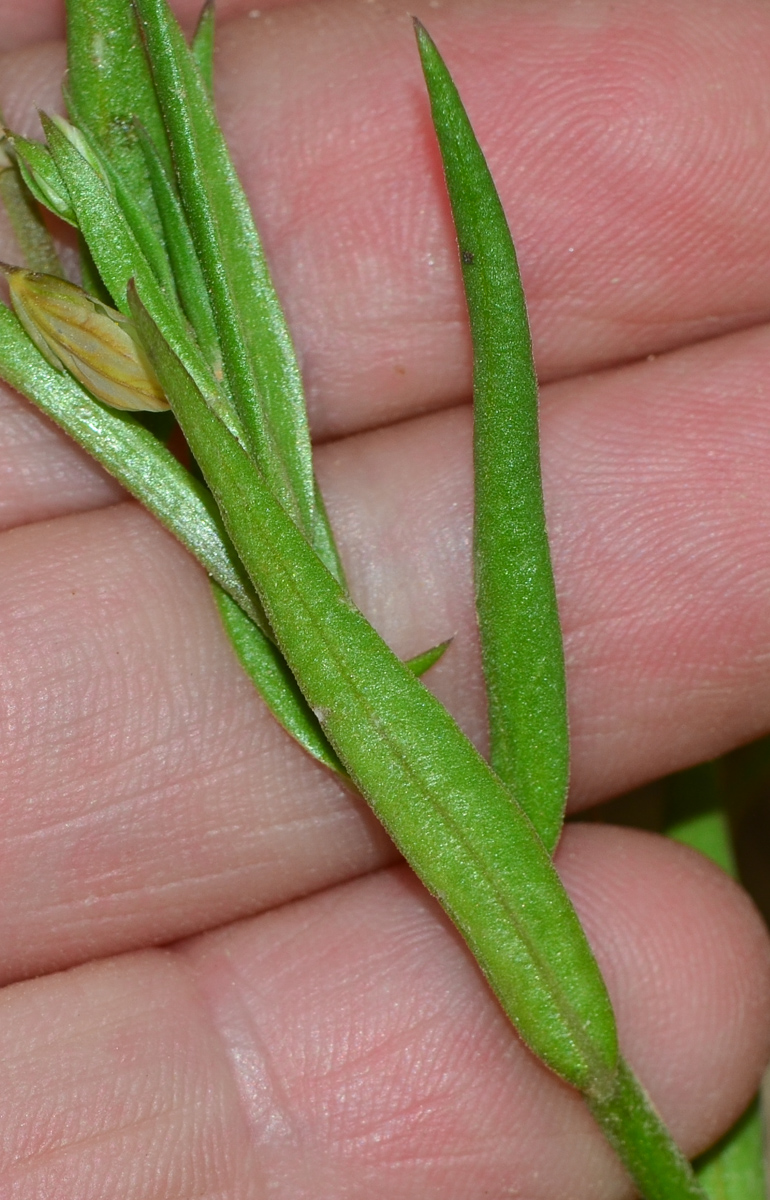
347	1045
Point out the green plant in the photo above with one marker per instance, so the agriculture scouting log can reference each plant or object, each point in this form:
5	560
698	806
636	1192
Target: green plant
168	246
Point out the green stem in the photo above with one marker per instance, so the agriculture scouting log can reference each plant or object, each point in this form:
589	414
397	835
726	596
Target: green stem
633	1127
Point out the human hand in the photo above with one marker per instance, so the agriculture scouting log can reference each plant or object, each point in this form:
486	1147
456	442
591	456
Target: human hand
342	1043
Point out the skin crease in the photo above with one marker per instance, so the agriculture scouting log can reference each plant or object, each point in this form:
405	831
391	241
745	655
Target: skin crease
341	1044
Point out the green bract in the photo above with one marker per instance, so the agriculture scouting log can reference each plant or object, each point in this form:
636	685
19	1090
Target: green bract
145	176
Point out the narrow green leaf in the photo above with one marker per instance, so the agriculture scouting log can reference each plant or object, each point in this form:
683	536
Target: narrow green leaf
35	242
266	668
109	85
109	236
518	617
257	351
446	810
181	250
203	45
118	258
132	454
145	231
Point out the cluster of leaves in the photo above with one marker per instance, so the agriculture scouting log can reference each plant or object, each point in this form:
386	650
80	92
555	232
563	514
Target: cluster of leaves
171	258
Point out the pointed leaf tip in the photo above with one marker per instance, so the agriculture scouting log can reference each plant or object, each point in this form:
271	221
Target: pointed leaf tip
421	32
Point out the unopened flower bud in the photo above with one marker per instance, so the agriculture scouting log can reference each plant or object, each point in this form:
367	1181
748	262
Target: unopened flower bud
97	344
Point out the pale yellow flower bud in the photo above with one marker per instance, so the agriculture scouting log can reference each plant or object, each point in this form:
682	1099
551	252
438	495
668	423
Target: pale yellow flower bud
97	344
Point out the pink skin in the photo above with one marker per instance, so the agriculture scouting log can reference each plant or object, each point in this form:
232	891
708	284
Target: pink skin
337	1041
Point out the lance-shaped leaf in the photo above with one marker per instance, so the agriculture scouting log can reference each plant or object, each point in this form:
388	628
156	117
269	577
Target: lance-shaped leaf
258	355
446	810
109	85
518	618
191	285
145	231
119	257
515	597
